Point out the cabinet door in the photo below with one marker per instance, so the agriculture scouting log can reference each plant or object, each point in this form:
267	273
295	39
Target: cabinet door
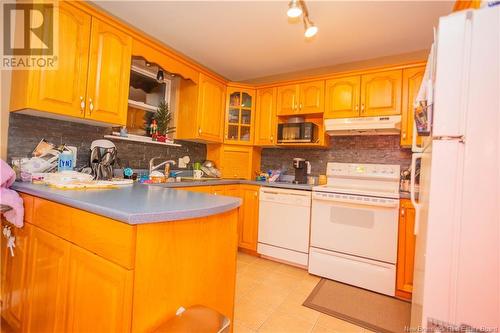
13	276
63	90
109	73
210	109
412	78
99	294
240	116
342	97
266	123
236	162
381	93
288	100
406	250
249	218
47	283
311	97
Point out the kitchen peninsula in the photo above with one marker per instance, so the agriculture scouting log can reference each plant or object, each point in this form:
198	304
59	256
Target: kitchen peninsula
118	260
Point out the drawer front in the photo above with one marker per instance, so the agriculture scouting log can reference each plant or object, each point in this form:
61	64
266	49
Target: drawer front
364	273
105	237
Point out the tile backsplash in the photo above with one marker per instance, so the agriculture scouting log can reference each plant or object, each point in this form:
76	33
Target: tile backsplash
381	149
26	131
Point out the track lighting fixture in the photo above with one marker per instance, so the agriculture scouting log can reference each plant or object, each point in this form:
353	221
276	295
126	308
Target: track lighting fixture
297	8
310	28
294	9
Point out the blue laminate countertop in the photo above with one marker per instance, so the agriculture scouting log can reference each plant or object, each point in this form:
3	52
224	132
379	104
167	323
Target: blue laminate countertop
136	204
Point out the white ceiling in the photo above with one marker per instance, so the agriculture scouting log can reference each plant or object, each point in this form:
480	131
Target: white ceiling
244	40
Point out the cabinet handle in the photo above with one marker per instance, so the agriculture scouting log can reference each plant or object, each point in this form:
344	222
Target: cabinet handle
91	105
272	138
82	104
199	130
404	134
402	212
356	108
362	108
300	106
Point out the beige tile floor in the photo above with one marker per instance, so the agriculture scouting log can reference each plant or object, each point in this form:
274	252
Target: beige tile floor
269	297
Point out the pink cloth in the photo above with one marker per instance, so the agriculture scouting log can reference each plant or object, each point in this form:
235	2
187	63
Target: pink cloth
10	197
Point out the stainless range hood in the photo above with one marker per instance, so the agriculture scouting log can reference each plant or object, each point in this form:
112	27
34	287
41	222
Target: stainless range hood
382	125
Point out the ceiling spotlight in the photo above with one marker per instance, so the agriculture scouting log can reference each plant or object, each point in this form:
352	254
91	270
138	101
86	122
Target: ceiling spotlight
311	29
294	9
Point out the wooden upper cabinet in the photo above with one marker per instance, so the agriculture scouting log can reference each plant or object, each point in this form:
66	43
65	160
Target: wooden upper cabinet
240	116
406	250
210	115
288	99
305	98
412	78
62	91
381	93
47	283
266	122
342	97
311	97
99	294
109	73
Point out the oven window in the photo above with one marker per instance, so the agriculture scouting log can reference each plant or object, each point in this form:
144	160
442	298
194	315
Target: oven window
360	218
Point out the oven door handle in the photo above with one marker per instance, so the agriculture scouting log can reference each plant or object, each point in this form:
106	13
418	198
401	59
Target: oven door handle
386	204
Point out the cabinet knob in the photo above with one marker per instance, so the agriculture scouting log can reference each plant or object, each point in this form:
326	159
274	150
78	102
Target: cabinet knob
272	138
82	104
404	134
91	105
199	130
362	108
356	108
300	106
403	212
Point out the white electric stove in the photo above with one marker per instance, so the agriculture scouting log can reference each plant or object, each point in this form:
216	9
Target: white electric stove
354	226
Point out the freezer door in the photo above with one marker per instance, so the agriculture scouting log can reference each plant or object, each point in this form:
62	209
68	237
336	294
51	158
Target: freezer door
452	70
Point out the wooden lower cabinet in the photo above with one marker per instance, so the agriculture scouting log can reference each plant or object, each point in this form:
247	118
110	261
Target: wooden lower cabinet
99	294
70	289
48	268
248	217
406	250
248	225
13	276
64	278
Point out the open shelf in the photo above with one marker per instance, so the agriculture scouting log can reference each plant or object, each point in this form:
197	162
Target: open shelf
139	138
141	106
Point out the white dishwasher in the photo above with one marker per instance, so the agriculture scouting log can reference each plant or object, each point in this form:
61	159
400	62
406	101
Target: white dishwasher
284	223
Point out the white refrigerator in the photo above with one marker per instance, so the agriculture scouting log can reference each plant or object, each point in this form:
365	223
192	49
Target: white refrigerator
457	259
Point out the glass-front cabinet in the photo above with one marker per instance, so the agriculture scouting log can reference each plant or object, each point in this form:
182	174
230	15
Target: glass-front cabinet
240	116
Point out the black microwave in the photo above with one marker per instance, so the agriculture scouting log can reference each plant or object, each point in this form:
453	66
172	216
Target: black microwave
306	132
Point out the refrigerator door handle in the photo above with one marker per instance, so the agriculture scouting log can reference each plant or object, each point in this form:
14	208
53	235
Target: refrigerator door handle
416	205
414	147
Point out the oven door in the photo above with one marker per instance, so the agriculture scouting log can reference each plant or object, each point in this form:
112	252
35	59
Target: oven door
355	225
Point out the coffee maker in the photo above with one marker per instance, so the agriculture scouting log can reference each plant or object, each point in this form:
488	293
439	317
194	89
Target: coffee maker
302	169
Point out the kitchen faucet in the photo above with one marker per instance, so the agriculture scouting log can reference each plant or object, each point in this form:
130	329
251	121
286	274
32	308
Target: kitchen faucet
153	167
